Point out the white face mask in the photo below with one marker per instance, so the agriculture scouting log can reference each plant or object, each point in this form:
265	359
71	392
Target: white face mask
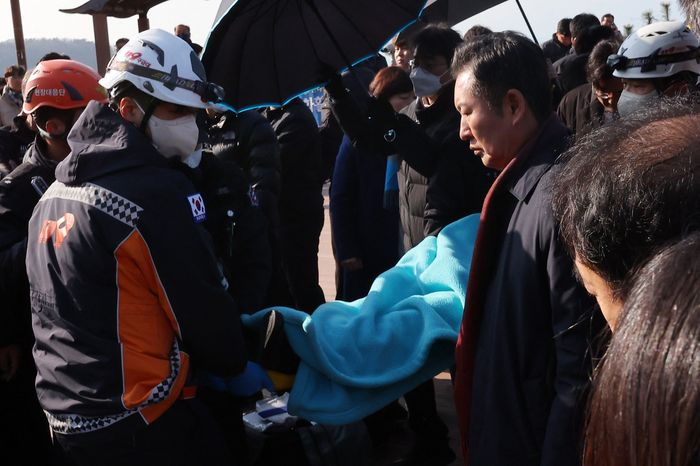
174	138
425	83
630	102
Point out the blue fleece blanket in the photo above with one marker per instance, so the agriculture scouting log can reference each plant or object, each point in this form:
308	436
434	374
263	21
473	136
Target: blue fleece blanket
357	357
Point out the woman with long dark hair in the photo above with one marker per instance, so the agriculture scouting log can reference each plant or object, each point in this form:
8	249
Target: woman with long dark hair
645	405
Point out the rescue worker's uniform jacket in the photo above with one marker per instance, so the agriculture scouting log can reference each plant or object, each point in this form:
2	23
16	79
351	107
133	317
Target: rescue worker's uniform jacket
126	295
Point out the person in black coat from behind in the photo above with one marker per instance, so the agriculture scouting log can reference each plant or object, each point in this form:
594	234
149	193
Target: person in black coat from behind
14	142
248	140
301	200
560	44
571	70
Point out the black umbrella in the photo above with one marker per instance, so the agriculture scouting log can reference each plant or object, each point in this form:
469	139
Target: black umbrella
116	8
266	52
455	11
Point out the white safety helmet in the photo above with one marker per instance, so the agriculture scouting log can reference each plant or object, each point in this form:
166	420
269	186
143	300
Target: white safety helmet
163	66
658	50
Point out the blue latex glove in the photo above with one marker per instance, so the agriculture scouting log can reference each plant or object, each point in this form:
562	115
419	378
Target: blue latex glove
253	379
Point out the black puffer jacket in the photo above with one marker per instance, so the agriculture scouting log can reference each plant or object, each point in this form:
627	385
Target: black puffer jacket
14	142
301	199
300	146
248	140
17	200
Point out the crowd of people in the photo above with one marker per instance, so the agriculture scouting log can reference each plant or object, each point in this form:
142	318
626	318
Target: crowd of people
140	218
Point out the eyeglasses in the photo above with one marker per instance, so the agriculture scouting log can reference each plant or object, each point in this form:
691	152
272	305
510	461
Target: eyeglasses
607	96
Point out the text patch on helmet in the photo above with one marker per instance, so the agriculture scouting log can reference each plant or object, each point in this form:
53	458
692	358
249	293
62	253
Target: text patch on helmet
199	212
49	92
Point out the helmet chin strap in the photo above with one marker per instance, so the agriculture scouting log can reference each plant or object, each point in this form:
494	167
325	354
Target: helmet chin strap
147	114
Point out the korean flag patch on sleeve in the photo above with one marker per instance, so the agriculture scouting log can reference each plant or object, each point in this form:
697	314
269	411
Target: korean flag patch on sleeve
199	212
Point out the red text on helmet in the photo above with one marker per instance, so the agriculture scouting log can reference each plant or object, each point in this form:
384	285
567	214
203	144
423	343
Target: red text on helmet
136	57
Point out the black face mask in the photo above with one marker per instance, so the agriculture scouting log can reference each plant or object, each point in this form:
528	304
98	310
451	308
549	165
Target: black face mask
185	36
67	120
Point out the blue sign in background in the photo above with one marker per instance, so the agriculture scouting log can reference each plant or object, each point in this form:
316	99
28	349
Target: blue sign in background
313	100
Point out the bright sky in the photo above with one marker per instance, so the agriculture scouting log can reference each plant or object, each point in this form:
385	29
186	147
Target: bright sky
41	18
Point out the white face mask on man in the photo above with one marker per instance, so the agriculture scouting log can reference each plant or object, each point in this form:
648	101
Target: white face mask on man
425	83
630	102
174	138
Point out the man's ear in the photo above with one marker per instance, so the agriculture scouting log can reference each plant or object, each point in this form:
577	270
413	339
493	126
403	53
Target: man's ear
130	111
514	105
55	127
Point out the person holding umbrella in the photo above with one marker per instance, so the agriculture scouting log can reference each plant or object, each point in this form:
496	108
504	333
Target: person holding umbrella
438	182
364	200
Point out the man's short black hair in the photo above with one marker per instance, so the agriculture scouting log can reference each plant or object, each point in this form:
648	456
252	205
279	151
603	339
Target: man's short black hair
15	71
581	22
608	15
502	61
589	37
563	26
626	189
53	56
436	40
474	32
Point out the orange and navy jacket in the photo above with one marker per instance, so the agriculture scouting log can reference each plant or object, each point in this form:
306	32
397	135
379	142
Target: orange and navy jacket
126	295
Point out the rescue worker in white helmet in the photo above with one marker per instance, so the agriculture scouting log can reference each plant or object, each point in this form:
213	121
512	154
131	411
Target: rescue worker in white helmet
660	59
127	298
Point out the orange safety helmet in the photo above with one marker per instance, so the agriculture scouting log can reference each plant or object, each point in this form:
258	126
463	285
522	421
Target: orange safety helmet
62	84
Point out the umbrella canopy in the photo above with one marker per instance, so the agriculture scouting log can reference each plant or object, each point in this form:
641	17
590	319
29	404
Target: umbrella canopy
447	11
266	52
455	11
115	8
